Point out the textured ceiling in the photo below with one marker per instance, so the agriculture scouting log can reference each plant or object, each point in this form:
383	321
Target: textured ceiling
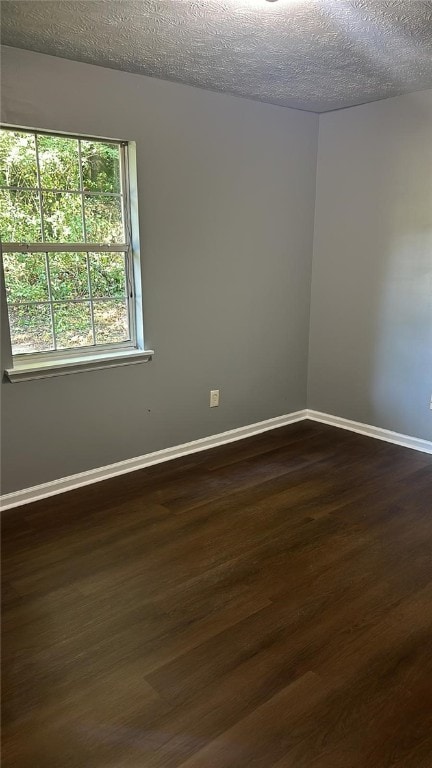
309	54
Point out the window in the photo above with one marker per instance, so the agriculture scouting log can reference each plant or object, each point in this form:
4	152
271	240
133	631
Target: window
66	244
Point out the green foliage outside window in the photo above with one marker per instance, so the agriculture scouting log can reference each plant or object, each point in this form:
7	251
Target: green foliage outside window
61	190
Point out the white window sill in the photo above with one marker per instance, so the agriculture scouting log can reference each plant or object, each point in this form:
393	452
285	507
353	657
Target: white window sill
62	367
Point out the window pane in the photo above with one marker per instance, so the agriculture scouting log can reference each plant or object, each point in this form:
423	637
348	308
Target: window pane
69	276
17	159
111	321
73	325
30	328
100	166
107	271
62	217
25	277
58	162
103	217
20	217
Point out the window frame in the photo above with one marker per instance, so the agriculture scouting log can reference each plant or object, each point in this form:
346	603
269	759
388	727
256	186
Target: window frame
27	361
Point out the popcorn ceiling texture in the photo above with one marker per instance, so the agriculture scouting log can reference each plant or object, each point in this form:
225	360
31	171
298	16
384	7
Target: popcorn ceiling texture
315	55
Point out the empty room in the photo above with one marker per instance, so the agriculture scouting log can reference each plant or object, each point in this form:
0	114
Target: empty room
216	383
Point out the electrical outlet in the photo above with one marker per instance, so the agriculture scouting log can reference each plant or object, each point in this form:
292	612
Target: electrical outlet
214	398
430	404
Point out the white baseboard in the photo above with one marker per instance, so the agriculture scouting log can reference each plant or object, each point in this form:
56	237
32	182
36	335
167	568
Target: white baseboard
37	492
366	429
28	495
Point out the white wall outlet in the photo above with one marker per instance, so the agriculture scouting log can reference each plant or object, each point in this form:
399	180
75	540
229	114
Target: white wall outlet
214	398
430	404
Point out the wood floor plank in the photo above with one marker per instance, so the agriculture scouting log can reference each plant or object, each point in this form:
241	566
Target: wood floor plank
265	603
261	736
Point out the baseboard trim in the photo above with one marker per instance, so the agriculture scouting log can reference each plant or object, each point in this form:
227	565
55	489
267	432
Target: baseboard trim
377	432
43	491
54	487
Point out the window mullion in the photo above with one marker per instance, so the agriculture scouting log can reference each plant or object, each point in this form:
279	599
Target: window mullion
63	247
39	189
90	192
96	299
47	265
85	240
50	298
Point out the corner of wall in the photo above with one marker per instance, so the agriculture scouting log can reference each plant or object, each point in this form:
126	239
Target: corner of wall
308	404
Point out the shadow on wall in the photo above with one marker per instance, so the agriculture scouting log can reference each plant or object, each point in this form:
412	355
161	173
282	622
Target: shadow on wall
370	357
402	371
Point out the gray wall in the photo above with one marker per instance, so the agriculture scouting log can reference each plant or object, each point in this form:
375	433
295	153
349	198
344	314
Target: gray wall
371	319
226	193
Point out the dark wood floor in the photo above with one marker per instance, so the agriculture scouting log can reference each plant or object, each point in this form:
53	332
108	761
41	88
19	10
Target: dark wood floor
265	604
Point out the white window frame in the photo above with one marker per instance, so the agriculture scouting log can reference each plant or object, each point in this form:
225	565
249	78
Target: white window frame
56	362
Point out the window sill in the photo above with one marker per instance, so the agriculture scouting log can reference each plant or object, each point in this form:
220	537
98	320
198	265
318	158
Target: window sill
63	367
